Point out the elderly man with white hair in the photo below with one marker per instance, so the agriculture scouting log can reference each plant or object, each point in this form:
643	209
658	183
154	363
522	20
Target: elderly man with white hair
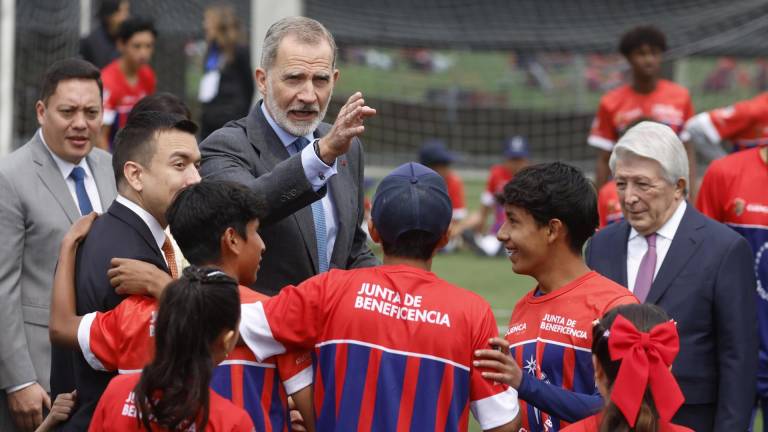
698	270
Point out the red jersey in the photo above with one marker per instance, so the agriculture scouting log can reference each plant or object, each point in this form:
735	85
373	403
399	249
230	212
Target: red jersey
120	96
393	349
733	192
550	336
494	188
668	103
117	411
592	424
456	193
608	206
122	339
744	123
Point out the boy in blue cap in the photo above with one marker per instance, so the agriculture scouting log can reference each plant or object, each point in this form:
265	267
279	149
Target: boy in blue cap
393	344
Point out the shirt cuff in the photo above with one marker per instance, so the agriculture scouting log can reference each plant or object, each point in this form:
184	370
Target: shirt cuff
14	389
315	169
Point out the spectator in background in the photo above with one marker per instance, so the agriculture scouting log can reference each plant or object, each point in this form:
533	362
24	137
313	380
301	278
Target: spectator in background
226	89
733	192
484	242
45	185
129	78
100	47
647	96
698	270
608	206
633	347
433	154
744	124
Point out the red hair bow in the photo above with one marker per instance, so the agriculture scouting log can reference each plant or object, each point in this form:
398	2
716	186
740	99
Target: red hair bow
645	360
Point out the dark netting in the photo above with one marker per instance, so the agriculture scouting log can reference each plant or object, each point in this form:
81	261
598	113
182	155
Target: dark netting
47	31
473	73
469	72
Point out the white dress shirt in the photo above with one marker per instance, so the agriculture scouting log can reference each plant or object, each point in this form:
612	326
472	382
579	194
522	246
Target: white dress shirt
158	233
317	173
637	245
66	169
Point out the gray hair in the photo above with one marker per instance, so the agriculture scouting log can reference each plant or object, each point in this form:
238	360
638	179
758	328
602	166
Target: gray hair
307	30
657	142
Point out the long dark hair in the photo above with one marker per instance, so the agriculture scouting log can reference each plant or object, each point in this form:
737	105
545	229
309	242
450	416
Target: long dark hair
644	317
194	310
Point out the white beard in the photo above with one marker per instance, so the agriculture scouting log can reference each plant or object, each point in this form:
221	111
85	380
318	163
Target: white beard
295	128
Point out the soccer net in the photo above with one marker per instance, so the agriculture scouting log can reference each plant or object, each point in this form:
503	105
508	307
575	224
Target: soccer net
471	73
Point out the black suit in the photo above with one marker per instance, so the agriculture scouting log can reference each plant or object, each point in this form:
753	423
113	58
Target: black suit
707	285
248	151
117	233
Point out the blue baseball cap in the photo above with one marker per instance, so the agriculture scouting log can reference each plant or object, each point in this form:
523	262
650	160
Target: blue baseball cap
412	197
434	152
516	147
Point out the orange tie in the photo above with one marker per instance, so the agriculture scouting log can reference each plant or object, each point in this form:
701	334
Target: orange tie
170	256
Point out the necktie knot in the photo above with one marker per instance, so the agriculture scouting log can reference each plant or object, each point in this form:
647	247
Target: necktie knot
77	174
299	144
651	239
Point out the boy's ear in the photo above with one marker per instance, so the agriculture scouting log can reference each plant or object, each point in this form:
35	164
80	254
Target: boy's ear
373	232
442	242
230	242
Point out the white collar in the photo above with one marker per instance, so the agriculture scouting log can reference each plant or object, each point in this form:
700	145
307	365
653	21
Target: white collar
669	229
285	137
154	226
65	167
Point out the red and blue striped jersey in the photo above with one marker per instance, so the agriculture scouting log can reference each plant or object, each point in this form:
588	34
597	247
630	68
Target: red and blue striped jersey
550	337
123	339
733	192
393	349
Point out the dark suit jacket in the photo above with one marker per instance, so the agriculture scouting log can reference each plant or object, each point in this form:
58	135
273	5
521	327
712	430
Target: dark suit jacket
249	152
706	284
117	233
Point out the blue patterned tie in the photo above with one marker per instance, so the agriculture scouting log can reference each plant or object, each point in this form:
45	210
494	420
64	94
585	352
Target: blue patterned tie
318	214
78	175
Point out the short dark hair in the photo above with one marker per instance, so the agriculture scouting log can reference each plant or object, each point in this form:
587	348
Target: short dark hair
636	37
136	141
164	102
200	213
134	25
108	8
67	69
414	244
556	191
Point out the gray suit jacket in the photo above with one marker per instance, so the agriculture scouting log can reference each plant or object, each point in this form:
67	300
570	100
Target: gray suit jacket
36	210
249	152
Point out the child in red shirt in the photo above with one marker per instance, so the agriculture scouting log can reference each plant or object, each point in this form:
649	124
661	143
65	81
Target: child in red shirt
129	78
628	343
196	329
648	97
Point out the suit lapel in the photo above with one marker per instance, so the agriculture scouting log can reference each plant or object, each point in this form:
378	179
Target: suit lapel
134	221
684	244
51	177
272	152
